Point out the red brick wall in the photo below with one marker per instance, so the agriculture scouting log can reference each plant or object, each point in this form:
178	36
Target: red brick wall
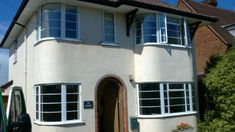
207	45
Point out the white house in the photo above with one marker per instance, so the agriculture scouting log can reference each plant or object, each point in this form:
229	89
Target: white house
104	65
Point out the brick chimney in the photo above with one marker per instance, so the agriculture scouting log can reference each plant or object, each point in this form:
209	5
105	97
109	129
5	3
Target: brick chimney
210	2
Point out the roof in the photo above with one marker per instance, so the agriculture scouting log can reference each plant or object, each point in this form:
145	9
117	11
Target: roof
146	4
225	17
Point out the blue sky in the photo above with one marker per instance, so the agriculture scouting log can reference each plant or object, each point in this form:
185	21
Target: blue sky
8	10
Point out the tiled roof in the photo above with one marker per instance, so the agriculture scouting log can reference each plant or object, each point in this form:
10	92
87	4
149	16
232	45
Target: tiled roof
225	17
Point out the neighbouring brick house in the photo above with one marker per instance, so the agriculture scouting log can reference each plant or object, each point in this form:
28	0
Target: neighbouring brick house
211	39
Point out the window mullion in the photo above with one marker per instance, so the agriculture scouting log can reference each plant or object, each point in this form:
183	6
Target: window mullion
157	28
168	98
190	96
166	37
185	33
63	102
162	99
138	102
185	98
39	103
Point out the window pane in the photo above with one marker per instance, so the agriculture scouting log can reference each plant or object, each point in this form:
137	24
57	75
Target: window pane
146	27
149	39
174	34
149	98
109	24
72	115
51	20
50	89
71	34
173	20
72	97
175	109
54	24
150	111
151	24
72	106
109	31
176	101
149	94
109	16
176	94
109	38
72	89
50	98
176	86
71	26
152	102
71	17
149	86
50	107
51	117
174	40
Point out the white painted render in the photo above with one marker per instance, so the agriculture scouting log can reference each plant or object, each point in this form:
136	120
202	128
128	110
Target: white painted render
86	61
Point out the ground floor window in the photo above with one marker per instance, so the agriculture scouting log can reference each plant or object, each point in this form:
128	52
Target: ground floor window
165	98
58	102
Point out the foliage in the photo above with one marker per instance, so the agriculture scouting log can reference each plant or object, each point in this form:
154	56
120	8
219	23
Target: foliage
220	85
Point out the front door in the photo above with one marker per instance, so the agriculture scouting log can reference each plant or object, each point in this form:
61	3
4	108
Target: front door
109	107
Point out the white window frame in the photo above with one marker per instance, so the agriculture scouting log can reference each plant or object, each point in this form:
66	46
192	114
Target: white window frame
63	26
63	106
162	103
159	40
104	42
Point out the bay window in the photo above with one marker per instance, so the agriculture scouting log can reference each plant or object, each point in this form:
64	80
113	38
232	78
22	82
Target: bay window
57	21
161	29
165	98
58	103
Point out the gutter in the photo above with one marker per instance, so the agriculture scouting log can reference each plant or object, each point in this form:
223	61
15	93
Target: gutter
14	21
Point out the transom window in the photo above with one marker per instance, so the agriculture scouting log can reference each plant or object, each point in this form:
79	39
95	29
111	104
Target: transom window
161	29
58	21
109	27
165	98
58	103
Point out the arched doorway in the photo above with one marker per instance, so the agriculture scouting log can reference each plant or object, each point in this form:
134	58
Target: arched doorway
111	105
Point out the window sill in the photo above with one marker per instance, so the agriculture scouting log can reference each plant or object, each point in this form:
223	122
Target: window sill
164	45
60	39
58	123
109	44
166	115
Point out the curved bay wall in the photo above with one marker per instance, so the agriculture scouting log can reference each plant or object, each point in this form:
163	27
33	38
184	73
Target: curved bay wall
163	64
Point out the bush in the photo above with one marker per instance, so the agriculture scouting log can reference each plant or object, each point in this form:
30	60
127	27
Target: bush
220	86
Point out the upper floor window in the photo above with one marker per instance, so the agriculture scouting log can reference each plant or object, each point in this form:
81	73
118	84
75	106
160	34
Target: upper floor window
58	103
51	20
165	98
109	27
58	21
161	29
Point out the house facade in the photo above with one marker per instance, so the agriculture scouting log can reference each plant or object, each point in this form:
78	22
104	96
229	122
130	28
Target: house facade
97	66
